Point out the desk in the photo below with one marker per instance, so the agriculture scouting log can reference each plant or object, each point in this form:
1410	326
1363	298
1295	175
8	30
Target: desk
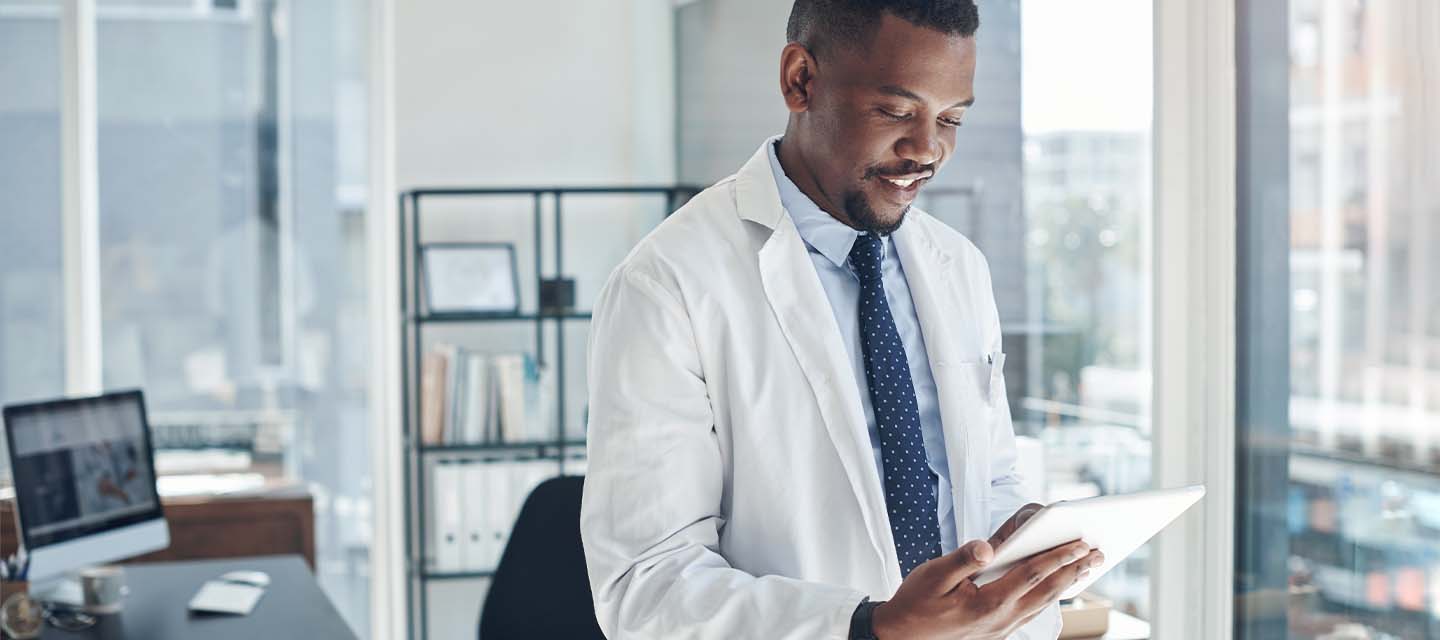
271	520
293	605
1126	627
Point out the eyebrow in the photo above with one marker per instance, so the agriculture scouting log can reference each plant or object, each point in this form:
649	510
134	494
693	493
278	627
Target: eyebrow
906	93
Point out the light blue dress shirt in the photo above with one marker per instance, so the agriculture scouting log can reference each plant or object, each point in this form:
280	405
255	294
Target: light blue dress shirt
828	241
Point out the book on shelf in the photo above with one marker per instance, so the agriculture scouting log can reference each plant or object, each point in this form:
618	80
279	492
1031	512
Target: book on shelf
510	386
432	398
484	523
476	503
479	406
449	511
472	397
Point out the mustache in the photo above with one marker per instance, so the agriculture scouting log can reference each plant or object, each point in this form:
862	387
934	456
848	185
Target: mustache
903	169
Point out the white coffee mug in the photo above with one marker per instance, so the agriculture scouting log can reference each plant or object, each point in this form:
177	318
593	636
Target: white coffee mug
103	588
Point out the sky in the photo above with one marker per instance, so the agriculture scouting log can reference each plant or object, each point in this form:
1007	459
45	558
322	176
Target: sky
1086	65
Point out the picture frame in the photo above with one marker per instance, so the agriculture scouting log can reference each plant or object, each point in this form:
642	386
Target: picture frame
471	278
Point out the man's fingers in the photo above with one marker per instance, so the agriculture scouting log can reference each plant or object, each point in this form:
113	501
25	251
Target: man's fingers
1026	576
1049	590
961	564
1014	522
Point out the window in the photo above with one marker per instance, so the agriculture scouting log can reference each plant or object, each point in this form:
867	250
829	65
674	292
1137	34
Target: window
1338	520
232	183
1083	367
32	330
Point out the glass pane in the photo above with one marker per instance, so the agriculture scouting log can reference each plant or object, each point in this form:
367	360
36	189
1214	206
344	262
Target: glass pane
1365	464
1352	542
232	185
1081	343
32	330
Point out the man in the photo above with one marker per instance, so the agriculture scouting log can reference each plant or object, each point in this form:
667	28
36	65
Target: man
796	402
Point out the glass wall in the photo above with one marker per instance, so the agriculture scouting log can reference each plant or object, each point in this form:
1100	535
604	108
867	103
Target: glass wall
231	151
1082	384
232	184
32	331
1343	541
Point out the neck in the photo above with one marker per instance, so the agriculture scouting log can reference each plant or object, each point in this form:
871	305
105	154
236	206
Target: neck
797	168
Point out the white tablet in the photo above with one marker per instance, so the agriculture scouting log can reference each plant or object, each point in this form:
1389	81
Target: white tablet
1116	525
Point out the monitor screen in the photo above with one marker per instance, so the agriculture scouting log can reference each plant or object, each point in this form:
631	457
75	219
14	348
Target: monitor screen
81	466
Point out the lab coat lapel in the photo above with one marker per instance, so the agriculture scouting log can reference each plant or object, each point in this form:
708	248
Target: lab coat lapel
795	295
949	325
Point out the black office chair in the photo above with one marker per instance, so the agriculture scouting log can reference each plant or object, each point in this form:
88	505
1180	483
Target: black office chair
540	589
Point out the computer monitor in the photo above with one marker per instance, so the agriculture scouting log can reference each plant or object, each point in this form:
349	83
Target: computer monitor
84	475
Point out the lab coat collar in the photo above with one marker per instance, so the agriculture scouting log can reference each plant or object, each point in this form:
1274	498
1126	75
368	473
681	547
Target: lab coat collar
757	197
820	230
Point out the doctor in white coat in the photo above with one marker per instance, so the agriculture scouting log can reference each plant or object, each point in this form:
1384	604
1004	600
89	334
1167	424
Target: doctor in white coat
797	410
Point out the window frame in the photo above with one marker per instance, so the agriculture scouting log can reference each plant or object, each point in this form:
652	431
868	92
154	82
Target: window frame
80	198
1263	323
1193	288
389	610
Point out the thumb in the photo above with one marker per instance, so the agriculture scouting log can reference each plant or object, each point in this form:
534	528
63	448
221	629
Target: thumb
1027	512
971	558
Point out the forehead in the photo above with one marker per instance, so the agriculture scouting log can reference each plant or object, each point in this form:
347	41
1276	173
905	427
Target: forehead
936	65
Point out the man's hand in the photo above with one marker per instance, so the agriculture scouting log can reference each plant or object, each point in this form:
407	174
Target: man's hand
939	599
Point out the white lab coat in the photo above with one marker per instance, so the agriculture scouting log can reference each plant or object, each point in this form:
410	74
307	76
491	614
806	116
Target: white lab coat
731	490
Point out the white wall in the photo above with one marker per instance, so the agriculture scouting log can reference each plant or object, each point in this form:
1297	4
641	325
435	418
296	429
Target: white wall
728	87
555	92
560	92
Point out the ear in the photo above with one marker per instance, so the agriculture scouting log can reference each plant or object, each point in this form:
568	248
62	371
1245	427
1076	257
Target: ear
797	72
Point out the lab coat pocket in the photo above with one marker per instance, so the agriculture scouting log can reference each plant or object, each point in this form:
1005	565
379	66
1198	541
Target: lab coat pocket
996	391
978	378
967	411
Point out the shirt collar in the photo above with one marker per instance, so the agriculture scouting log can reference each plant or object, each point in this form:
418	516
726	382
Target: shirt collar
820	231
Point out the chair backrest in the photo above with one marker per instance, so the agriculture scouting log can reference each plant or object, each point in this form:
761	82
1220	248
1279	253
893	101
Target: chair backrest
540	589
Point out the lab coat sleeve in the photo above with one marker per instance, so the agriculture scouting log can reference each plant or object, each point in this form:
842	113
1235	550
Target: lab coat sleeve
651	516
1006	489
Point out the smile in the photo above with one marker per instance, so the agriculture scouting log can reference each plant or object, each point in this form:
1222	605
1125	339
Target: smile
903	188
907	180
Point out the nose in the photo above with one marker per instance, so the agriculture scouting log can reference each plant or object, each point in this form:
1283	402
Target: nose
921	144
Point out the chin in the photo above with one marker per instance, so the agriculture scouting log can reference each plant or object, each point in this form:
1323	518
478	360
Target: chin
883	220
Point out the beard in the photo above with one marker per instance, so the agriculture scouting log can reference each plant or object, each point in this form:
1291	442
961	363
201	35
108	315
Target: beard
863	216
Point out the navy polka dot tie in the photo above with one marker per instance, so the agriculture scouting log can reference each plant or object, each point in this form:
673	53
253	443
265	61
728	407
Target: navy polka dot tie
908	480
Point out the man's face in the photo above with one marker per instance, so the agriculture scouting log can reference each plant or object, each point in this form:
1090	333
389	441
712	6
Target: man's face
881	119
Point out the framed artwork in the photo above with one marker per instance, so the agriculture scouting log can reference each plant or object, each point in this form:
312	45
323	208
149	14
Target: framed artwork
474	277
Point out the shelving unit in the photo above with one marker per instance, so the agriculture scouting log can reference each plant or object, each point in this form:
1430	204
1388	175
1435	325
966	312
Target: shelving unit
415	322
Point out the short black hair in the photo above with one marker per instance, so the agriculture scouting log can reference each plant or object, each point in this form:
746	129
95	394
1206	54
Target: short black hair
816	23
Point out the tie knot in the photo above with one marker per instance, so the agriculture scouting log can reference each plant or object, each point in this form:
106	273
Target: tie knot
866	255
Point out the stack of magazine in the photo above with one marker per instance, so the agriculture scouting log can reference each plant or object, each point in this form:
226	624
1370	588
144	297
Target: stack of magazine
472	397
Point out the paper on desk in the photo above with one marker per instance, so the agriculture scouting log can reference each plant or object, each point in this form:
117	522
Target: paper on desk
226	597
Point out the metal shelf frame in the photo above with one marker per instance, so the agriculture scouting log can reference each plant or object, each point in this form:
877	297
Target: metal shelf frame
414	318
